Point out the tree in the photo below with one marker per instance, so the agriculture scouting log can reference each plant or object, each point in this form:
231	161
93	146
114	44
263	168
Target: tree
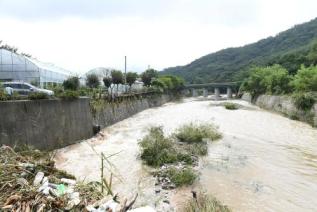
272	80
306	79
148	76
72	83
131	77
92	81
117	77
169	83
107	81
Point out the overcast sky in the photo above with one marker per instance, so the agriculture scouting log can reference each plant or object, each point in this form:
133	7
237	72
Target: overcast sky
83	34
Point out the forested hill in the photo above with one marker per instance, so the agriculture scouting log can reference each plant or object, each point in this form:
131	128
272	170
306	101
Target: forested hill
289	48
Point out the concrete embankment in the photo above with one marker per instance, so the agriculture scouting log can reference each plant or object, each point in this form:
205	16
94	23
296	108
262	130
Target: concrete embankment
51	124
111	112
284	105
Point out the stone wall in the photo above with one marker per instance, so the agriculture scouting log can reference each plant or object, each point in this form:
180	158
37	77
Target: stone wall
284	105
51	124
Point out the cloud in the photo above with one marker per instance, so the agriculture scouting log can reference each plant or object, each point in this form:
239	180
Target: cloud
80	35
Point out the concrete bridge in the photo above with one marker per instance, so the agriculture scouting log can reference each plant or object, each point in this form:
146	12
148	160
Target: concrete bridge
217	87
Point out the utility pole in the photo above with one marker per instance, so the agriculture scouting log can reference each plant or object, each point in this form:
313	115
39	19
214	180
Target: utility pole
125	69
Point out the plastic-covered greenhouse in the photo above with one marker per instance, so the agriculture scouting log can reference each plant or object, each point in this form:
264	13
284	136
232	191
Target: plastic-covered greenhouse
16	67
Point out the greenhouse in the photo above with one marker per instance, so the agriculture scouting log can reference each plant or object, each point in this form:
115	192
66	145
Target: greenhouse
16	67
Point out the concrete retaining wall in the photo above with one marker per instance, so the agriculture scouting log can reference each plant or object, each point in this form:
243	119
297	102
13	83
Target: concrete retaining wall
45	124
111	113
284	105
51	124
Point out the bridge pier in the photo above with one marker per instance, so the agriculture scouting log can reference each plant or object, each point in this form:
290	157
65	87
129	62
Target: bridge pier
205	93
229	93
194	92
217	93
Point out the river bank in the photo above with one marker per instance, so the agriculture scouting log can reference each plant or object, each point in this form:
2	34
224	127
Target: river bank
284	105
238	171
52	124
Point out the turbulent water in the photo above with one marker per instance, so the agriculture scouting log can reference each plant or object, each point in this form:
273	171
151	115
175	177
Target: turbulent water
265	162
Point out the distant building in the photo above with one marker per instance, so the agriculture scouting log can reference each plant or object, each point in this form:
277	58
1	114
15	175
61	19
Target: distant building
16	67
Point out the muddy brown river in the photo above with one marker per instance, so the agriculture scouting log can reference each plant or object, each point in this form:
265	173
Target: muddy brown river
265	162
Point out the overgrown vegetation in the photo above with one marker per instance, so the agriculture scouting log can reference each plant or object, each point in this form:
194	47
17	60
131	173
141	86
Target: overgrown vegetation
69	95
271	80
158	150
231	106
275	80
183	147
37	96
71	83
191	133
181	177
304	101
205	203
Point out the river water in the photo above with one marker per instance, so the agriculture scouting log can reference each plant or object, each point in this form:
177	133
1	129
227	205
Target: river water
265	162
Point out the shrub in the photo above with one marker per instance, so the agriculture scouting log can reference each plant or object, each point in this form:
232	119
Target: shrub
181	177
148	76
3	95
71	83
69	95
191	133
58	90
200	149
117	77
272	80
306	79
107	81
304	101
36	96
92	81
205	203
131	77
156	148
231	106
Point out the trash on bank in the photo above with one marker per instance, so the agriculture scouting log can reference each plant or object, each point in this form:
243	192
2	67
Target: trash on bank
29	184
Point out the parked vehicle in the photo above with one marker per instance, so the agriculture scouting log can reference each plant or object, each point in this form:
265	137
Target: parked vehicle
24	88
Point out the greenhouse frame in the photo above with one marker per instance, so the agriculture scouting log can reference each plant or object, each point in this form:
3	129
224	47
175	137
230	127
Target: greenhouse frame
16	67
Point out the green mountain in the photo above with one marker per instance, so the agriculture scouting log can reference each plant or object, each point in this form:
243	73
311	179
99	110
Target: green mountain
290	48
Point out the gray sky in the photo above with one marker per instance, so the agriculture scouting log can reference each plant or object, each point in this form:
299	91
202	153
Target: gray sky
83	34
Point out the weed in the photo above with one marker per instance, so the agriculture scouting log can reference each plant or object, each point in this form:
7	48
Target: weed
36	96
181	177
231	106
205	203
304	101
191	133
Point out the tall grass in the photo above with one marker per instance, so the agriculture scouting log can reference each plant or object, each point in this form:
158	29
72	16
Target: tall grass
205	203
157	150
231	106
181	177
191	133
